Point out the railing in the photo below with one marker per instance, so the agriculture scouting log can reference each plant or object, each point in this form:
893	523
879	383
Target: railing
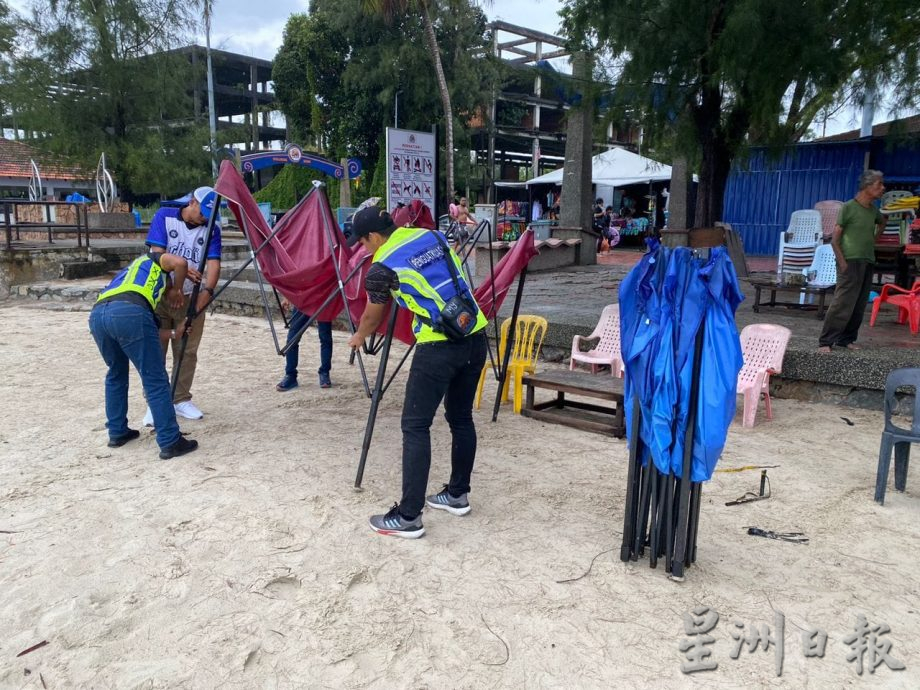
12	223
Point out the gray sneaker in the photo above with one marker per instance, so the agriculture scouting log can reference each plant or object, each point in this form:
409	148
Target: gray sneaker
456	505
392	524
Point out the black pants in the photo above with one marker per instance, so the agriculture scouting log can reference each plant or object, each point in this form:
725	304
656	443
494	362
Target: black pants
440	371
845	315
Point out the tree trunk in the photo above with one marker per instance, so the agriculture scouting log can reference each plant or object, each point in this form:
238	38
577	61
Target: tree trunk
445	100
710	193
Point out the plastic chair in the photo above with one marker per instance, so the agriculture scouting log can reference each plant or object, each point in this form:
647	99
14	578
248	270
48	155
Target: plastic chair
829	211
798	243
528	339
763	346
897	438
607	350
894	195
824	266
907	302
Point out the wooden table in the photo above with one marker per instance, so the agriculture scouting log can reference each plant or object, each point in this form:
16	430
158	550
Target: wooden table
773	285
892	257
574	413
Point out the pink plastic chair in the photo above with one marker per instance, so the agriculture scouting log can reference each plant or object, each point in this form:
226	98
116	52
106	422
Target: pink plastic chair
828	210
763	346
607	350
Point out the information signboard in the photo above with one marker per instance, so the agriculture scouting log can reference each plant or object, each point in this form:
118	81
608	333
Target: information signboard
411	168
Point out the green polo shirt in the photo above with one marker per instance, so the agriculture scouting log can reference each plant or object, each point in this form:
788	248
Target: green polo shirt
859	226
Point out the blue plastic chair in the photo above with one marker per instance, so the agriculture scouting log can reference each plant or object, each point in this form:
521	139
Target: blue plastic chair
894	437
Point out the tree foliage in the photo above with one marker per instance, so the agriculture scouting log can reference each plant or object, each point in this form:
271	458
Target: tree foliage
727	73
95	77
340	72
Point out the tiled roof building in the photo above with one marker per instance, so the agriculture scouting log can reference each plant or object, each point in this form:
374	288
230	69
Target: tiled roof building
57	176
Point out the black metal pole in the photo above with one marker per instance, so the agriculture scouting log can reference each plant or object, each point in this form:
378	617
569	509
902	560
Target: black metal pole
695	498
376	395
683	511
509	345
654	511
629	522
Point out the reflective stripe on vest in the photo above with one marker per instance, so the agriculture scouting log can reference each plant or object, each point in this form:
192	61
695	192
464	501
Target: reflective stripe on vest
425	282
142	276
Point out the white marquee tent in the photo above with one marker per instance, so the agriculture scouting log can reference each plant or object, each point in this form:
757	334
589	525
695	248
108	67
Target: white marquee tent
616	168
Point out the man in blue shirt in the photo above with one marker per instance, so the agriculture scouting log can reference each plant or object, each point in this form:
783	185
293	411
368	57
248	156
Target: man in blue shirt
182	231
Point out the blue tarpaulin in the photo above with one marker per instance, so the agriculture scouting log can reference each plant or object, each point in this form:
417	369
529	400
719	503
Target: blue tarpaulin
664	301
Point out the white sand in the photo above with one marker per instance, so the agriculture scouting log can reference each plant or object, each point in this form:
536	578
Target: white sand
249	563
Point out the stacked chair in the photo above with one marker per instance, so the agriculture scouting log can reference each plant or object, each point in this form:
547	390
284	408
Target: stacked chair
798	243
828	210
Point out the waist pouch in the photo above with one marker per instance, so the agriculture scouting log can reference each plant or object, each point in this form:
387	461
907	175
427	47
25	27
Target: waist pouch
457	319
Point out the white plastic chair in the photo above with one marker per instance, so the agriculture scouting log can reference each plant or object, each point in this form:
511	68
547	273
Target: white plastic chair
824	266
763	347
804	234
607	350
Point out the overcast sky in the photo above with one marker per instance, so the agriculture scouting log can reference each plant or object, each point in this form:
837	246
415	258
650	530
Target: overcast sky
244	26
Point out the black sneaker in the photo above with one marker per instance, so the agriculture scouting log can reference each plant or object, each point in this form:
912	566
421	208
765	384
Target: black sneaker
455	505
324	380
287	383
119	441
392	524
180	447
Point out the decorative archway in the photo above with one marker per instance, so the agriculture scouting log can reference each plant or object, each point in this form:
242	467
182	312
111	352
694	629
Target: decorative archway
292	154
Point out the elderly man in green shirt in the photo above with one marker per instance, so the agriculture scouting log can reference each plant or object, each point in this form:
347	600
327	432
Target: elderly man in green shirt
859	224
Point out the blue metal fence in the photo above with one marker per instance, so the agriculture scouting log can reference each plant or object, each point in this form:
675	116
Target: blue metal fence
763	191
899	160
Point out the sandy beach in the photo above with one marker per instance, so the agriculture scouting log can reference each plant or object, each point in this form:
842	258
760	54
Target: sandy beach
250	564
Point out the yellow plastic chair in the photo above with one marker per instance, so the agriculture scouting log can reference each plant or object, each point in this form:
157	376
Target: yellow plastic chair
528	339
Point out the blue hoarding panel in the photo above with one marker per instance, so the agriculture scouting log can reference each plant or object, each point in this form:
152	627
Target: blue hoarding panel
764	190
899	159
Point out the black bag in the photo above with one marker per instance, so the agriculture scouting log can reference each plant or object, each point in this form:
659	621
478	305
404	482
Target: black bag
458	317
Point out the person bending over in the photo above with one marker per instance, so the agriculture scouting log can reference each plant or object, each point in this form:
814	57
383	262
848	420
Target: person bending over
125	328
411	266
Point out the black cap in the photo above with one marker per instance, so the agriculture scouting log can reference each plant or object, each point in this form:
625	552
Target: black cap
368	220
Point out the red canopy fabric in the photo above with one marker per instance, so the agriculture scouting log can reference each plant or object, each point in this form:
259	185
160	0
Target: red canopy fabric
415	215
299	261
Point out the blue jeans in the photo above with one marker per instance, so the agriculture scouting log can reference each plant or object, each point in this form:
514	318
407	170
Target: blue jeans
324	328
450	372
125	332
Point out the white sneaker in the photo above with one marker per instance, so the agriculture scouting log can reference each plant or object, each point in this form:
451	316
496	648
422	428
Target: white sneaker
189	410
148	417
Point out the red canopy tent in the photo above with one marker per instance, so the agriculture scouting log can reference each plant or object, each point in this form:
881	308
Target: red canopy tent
305	254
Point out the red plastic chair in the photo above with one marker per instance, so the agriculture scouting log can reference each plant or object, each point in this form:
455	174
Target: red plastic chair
907	302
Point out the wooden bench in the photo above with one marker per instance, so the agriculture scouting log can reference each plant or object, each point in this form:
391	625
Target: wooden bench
574	413
774	285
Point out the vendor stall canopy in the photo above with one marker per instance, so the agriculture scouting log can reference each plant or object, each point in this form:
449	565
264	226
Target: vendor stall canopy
616	168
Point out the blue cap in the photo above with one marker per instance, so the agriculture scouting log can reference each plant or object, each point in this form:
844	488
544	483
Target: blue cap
205	196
